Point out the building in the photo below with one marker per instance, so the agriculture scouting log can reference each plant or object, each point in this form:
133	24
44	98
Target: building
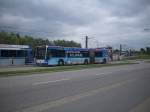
15	54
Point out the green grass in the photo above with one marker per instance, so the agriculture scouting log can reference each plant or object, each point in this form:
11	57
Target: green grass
144	56
141	56
56	69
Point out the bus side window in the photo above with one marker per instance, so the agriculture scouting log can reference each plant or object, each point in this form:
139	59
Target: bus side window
49	55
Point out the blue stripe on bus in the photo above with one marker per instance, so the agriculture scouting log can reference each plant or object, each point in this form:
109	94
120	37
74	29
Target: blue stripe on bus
54	61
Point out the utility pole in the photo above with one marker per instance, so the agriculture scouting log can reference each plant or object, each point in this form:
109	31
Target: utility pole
86	41
120	49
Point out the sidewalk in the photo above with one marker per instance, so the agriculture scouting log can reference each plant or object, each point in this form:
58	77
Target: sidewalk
33	67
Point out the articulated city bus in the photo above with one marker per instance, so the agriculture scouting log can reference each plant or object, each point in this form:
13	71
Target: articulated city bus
57	55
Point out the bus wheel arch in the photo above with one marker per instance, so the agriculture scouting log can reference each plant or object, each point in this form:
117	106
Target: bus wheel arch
61	62
86	61
104	61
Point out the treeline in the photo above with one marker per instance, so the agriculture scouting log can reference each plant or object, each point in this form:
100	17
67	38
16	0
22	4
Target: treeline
15	38
145	50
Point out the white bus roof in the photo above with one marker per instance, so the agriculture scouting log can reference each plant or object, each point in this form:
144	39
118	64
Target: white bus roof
13	47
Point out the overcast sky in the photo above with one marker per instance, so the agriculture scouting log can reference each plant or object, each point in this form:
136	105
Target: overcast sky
106	22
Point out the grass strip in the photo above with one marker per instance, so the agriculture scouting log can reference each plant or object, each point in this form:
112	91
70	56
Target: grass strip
138	57
56	69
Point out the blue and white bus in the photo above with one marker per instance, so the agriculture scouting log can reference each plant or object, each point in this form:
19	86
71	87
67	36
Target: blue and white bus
99	55
77	55
57	55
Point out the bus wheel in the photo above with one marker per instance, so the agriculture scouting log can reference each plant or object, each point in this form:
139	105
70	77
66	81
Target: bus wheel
60	62
104	61
86	62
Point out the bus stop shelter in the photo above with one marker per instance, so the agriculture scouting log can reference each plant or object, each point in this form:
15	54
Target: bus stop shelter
13	54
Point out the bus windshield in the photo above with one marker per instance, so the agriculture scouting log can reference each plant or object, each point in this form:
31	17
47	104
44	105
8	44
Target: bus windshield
40	52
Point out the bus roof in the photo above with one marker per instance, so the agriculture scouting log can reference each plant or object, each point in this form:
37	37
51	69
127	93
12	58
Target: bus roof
55	47
75	49
98	49
67	48
14	47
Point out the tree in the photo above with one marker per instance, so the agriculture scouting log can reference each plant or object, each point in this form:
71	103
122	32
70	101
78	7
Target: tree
116	51
148	50
142	50
12	38
65	43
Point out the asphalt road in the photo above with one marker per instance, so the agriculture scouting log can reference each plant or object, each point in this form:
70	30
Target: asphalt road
109	89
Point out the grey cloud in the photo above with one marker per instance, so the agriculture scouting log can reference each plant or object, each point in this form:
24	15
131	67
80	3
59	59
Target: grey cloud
49	10
125	7
107	20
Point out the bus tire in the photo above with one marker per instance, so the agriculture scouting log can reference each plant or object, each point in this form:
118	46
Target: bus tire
61	62
85	61
104	61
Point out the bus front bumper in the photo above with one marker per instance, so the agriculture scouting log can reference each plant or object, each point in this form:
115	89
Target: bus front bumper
41	63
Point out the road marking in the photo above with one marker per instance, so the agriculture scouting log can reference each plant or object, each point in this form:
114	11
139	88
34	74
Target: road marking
142	107
46	82
69	99
104	73
107	73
